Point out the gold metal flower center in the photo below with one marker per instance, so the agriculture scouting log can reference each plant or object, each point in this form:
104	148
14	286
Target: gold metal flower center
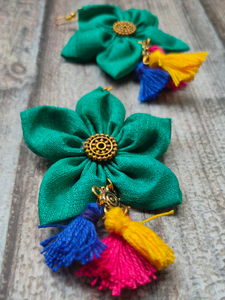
124	28
100	147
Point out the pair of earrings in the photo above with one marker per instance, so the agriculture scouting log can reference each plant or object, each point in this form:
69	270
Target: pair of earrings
95	145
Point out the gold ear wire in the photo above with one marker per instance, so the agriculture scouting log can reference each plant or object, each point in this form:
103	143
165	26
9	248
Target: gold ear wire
108	88
68	19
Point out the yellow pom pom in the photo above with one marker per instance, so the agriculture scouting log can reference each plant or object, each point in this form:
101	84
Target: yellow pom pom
181	67
140	237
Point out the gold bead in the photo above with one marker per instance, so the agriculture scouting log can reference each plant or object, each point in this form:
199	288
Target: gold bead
100	147
124	27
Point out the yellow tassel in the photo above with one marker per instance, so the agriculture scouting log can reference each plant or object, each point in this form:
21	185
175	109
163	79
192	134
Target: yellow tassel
140	237
181	67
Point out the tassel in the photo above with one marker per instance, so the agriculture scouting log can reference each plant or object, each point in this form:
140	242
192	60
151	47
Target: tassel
140	237
78	240
152	81
120	266
181	67
171	85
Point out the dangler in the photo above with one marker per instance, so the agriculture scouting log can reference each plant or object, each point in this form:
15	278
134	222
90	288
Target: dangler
181	67
132	248
140	237
152	81
78	240
120	266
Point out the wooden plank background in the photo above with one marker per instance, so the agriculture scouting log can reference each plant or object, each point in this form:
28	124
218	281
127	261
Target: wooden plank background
33	73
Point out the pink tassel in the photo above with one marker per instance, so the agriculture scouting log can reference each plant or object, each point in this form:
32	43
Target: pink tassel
120	266
171	85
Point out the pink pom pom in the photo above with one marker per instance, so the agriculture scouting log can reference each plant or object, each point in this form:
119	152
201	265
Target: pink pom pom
154	48
171	85
119	266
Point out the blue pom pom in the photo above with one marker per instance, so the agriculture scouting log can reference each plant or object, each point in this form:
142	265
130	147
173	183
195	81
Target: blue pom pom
152	81
78	240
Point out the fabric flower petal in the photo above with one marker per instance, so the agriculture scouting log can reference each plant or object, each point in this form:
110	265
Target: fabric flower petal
84	45
66	189
121	57
92	16
141	18
54	132
145	134
157	37
101	112
143	182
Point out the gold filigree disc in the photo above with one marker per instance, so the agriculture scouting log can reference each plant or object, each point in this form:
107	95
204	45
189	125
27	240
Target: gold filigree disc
100	147
124	27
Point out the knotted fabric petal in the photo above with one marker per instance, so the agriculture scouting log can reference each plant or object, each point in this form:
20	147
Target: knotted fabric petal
121	57
168	42
141	18
101	112
66	189
98	16
143	182
54	132
98	40
145	134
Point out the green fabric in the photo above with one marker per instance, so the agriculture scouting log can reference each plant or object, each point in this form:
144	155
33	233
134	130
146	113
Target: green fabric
116	55
58	134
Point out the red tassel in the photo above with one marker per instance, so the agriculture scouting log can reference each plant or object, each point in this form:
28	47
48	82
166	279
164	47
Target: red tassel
120	266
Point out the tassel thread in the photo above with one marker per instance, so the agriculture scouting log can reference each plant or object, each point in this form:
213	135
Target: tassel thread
78	240
140	237
152	81
181	67
120	266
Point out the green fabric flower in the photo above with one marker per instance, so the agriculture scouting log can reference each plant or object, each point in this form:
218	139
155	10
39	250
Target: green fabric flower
59	134
116	55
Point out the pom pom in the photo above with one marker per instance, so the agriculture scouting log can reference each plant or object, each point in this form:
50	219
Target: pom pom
120	266
181	67
152	81
140	237
78	240
154	48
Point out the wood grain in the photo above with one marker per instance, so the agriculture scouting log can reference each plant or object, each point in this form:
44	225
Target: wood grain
196	155
20	24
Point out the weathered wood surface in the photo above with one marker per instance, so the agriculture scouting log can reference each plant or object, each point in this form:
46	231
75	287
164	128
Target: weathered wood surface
196	154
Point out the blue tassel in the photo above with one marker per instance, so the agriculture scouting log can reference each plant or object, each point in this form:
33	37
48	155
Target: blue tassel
152	81
78	240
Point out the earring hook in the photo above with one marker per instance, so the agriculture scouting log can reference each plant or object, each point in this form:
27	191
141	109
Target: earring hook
67	19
